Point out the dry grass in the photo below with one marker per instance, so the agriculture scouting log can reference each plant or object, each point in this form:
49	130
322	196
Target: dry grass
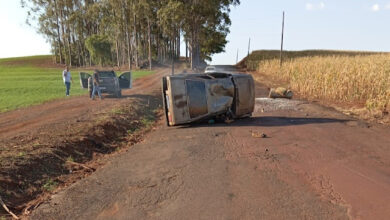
349	79
252	61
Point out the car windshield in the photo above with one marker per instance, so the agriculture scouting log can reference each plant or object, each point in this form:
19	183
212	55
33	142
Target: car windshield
106	74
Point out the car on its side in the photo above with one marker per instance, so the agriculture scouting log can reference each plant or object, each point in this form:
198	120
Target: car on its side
195	97
109	82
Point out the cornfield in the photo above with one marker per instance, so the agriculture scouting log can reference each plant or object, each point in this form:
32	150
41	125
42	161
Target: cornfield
350	79
252	61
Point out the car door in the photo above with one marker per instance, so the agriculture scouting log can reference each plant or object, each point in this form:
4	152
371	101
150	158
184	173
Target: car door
125	80
84	79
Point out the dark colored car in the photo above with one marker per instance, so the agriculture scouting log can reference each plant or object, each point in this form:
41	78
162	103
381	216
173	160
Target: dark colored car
195	97
109	82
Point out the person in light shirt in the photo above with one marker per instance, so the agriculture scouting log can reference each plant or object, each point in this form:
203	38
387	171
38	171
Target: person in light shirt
67	77
90	86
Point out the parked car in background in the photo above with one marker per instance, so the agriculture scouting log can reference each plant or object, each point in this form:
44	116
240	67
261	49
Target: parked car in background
109	82
221	69
194	97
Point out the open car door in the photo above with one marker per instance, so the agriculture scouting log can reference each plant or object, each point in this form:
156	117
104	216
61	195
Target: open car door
84	80
125	80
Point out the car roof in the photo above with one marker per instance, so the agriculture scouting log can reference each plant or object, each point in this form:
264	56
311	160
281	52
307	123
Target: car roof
105	71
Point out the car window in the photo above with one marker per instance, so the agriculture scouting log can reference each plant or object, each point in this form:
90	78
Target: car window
106	74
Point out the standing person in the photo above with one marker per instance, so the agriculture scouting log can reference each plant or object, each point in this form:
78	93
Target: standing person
96	85
67	77
90	86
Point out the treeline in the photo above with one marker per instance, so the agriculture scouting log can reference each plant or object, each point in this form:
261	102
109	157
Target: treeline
131	32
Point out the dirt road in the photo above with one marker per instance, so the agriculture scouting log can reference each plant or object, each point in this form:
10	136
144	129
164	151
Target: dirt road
315	164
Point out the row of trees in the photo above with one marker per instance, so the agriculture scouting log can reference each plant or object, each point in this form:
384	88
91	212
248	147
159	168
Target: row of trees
131	32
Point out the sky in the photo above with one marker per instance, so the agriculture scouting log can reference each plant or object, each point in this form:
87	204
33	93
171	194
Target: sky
16	37
316	24
309	24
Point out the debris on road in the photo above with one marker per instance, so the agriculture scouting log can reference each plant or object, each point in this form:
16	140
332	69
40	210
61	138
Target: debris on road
258	135
281	92
229	120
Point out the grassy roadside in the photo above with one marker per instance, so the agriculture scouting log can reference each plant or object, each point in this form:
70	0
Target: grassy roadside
34	80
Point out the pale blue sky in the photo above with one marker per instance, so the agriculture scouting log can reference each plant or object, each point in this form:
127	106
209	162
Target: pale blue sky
310	24
16	37
316	24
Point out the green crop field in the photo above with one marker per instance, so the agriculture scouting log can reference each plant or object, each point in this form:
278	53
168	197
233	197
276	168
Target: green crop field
26	81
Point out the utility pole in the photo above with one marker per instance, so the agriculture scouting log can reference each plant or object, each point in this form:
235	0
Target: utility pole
249	46
237	57
281	47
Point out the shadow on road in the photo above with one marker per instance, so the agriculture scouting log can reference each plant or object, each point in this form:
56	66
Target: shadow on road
268	121
289	121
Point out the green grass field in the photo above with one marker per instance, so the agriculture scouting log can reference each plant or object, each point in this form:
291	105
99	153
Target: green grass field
24	82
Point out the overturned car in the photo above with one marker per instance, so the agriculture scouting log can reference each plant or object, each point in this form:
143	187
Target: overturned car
195	97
